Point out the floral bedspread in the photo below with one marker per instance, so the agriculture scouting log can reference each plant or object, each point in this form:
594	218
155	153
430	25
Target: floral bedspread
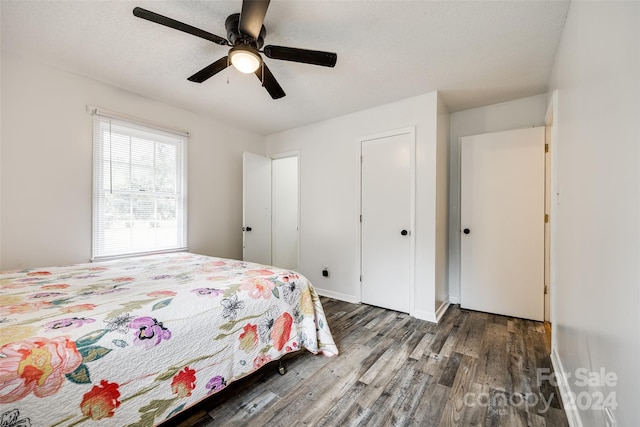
132	342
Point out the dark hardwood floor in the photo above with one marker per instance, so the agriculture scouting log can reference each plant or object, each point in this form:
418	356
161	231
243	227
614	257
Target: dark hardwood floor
471	369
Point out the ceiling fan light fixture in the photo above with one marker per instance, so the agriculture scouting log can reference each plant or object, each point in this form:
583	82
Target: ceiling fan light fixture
245	58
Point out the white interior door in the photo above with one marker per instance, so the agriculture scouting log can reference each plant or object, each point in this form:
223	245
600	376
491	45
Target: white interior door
502	223
284	212
256	212
387	221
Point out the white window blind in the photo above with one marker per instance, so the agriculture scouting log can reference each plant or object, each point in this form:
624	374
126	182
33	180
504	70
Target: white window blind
139	189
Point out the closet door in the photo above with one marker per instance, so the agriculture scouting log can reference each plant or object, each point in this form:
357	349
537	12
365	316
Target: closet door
387	220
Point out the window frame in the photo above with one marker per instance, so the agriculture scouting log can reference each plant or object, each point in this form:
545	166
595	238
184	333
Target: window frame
133	129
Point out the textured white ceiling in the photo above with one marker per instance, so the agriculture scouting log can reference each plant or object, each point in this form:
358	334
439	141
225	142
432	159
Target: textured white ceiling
475	52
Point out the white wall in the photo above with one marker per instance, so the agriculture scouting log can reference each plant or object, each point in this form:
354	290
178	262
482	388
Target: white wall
46	166
330	194
596	292
516	114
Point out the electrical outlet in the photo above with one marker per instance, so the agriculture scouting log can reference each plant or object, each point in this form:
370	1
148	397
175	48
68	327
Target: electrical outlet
610	421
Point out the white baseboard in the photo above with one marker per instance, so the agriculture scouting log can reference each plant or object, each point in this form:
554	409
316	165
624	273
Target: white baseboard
563	385
425	315
441	310
454	300
337	295
432	317
418	314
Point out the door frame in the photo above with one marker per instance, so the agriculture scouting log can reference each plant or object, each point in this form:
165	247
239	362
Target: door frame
411	131
552	197
285	155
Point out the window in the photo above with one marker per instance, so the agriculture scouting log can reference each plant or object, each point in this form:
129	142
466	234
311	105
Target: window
139	189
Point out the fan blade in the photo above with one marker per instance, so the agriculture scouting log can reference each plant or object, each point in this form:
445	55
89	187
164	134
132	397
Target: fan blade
252	17
315	57
269	82
210	70
172	23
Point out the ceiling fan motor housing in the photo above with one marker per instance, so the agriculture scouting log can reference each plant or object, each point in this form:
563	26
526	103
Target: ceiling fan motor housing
235	37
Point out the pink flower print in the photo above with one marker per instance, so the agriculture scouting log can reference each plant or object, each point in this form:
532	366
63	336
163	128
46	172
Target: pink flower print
161	294
217	278
262	272
289	277
217	263
292	347
39	273
77	308
149	332
23	307
261	360
36	365
8	284
258	287
281	330
55	286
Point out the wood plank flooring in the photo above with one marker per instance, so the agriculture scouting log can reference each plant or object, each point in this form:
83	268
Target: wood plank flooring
471	369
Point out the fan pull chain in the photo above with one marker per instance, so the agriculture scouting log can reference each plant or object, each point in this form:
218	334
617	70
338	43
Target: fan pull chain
228	65
262	79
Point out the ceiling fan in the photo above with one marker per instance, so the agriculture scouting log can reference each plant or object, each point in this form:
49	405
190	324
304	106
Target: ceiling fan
245	35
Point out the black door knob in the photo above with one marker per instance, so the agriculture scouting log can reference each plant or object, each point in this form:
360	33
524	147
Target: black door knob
246	228
404	232
466	231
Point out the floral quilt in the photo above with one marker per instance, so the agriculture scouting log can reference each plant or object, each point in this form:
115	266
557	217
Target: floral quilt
132	342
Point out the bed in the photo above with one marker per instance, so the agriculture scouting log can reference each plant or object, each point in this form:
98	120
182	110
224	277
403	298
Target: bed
133	342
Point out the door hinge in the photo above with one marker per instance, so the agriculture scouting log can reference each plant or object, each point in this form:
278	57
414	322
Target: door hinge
546	218
360	218
361	278
546	148
546	289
